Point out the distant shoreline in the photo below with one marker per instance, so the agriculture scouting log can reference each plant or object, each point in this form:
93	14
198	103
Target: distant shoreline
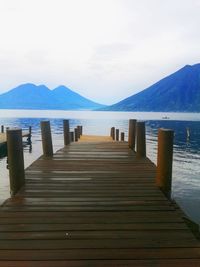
98	115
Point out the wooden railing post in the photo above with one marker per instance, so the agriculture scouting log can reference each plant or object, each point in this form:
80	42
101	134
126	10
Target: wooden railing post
72	136
66	132
2	128
79	131
131	134
29	135
15	160
122	136
76	134
164	160
113	136
117	134
141	139
46	138
30	130
112	132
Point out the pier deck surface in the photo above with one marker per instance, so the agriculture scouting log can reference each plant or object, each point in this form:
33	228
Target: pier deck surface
94	204
3	138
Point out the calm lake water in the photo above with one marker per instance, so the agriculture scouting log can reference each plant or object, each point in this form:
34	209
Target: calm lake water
186	168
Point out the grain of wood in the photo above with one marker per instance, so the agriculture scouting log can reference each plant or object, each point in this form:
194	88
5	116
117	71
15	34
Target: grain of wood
94	204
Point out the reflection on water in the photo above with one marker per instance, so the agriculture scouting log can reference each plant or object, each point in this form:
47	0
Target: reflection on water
186	171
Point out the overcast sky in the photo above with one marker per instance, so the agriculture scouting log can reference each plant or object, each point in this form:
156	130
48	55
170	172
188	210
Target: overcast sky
103	49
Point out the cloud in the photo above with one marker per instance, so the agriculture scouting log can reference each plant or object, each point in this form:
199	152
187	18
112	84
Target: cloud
104	49
113	50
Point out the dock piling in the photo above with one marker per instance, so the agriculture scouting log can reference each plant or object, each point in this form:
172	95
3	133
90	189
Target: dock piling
30	130
2	128
46	138
29	135
66	132
71	136
15	160
113	133
122	136
164	160
79	131
117	134
131	133
76	134
141	139
112	130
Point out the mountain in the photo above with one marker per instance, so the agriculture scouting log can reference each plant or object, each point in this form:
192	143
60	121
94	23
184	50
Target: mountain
179	92
65	96
30	96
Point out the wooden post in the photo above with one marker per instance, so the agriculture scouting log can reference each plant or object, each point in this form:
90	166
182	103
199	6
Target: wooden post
29	135
15	160
2	128
164	160
72	136
76	134
30	130
66	132
141	139
117	134
79	131
131	134
113	133
122	136
46	138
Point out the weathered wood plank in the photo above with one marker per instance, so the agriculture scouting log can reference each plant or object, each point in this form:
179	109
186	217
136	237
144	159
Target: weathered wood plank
95	244
94	204
101	254
42	224
104	263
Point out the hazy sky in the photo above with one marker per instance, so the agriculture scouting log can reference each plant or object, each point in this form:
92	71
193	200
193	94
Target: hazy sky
103	49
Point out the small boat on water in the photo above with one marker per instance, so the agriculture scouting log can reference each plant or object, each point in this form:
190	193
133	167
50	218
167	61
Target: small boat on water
165	118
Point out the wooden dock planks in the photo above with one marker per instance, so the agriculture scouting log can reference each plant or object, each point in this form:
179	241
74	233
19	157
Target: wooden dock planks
94	204
3	138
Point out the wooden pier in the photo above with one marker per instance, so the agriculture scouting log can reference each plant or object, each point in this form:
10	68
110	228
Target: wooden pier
94	203
3	141
3	138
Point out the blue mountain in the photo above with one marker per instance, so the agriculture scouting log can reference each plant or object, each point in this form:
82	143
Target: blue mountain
66	96
30	96
178	92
